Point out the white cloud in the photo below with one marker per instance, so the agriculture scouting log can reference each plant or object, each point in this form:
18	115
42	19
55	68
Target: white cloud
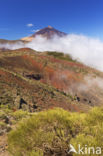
35	30
30	25
85	49
14	46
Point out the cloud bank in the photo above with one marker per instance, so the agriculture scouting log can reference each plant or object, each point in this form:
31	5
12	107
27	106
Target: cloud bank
86	50
13	46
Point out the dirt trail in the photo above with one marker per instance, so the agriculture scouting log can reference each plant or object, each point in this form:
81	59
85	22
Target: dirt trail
3	146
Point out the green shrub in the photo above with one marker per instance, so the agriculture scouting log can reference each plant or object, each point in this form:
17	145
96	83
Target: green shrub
2	124
19	114
5	109
92	131
51	132
61	56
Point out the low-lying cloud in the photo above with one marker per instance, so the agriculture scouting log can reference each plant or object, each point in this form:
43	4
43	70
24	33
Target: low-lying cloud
87	50
91	83
84	49
13	46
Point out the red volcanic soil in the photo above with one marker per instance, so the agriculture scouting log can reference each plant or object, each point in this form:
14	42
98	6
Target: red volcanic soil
15	87
44	81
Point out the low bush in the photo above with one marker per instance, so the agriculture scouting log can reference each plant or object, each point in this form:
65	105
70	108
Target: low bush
19	114
51	133
61	56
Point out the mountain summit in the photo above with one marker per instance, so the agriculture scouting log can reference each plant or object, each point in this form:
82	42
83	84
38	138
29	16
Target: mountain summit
47	32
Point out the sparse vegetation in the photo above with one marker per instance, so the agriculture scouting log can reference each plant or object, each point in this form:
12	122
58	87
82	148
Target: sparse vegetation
61	56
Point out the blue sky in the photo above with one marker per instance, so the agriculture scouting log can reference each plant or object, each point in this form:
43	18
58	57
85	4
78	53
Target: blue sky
71	16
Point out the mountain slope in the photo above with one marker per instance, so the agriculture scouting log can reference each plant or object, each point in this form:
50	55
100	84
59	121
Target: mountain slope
47	32
35	81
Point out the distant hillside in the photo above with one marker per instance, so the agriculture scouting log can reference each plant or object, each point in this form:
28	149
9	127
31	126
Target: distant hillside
35	81
3	41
